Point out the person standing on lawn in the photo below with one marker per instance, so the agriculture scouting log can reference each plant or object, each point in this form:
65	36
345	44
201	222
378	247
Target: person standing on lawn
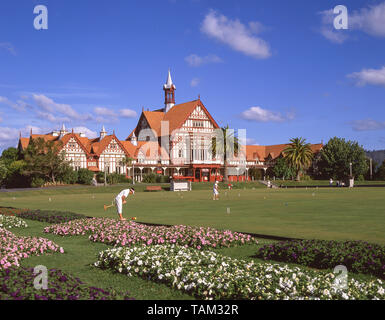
215	191
120	200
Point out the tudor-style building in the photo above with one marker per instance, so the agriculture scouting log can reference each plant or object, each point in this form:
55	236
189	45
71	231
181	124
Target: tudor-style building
174	140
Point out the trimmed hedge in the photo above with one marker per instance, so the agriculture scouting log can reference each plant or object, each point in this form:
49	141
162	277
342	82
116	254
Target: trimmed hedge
18	284
49	216
356	256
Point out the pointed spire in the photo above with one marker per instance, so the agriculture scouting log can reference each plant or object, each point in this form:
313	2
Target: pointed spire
63	127
31	132
169	80
19	134
72	130
103	130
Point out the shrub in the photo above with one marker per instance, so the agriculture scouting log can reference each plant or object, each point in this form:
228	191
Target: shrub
357	256
85	176
37	182
149	178
18	284
42	215
70	176
162	179
100	177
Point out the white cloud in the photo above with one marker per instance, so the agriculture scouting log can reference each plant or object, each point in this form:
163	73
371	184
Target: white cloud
127	113
51	106
370	20
20	105
195	61
9	137
259	114
51	118
251	142
88	132
369	76
8	47
101	111
236	35
367	125
194	82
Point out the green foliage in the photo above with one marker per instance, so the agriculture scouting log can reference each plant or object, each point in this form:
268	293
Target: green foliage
225	142
256	173
149	178
9	155
37	182
298	155
100	177
162	179
380	174
85	176
336	156
42	159
3	171
281	169
15	177
69	176
357	256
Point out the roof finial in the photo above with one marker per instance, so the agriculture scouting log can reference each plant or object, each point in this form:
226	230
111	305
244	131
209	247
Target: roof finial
113	132
72	130
199	96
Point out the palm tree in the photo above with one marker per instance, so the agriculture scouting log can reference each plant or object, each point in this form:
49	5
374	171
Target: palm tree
127	161
228	145
298	155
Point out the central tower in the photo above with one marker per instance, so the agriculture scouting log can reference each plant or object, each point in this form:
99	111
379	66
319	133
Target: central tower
169	93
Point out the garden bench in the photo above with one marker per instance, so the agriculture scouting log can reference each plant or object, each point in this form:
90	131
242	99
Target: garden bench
153	188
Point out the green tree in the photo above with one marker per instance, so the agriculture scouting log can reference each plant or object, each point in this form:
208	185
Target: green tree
85	176
3	172
44	160
9	155
225	145
126	161
380	174
336	156
298	155
15	177
281	169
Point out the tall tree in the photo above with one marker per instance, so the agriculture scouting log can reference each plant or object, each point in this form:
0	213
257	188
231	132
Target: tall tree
336	157
225	146
298	155
282	169
126	161
3	171
9	155
44	160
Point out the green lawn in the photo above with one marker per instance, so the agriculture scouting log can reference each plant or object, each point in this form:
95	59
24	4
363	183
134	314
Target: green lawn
311	183
326	213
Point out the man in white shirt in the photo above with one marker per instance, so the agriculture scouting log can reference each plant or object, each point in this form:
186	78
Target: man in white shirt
120	200
215	191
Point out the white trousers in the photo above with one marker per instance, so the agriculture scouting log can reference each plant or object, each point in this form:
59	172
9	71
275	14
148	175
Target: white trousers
119	205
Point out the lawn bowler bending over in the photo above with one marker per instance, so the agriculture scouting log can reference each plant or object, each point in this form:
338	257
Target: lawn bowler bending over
120	200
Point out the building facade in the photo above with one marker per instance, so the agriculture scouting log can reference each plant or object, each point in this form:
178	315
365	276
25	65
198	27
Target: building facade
175	140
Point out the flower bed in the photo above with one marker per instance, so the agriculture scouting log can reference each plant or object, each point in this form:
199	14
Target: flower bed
208	275
9	222
18	284
127	233
48	216
356	256
14	248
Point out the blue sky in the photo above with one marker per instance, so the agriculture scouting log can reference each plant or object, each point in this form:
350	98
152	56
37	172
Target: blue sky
276	68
